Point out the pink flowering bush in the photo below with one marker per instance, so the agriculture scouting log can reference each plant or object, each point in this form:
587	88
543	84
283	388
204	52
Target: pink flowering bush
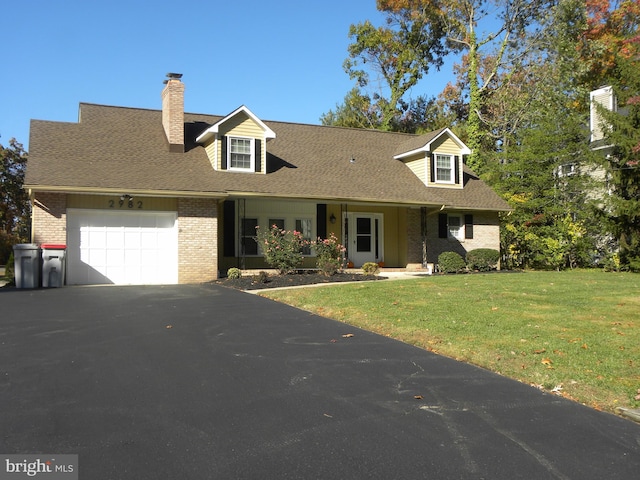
329	254
282	249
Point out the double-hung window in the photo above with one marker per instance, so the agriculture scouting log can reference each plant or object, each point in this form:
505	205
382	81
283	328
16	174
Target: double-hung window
241	153
456	228
444	168
303	225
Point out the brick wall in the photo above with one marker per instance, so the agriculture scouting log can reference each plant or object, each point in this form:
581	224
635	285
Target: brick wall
173	114
486	234
197	240
49	218
414	237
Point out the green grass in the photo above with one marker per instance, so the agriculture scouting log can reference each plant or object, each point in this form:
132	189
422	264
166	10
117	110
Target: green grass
576	331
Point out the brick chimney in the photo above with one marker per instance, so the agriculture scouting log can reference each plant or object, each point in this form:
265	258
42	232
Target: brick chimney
173	111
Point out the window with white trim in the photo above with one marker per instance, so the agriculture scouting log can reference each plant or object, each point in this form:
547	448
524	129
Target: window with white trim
444	168
303	225
456	227
241	153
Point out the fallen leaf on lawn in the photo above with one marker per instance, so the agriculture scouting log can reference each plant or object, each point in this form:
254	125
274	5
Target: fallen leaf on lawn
538	352
557	389
584	346
347	335
546	361
494	308
637	397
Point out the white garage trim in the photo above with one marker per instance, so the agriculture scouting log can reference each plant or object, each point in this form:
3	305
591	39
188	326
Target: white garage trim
121	247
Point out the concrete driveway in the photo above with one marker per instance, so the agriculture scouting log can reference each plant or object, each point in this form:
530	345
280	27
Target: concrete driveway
202	382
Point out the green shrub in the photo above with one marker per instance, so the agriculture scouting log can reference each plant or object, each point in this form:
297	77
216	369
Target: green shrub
282	249
329	254
483	259
261	277
370	268
450	262
9	271
234	273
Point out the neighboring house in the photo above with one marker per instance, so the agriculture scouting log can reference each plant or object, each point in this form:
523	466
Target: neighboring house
146	196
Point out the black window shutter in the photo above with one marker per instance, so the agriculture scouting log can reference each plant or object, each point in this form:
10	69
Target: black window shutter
321	220
468	226
432	167
258	151
456	166
443	228
229	228
224	153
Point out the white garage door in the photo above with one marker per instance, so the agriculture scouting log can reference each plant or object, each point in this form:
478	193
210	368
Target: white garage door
121	247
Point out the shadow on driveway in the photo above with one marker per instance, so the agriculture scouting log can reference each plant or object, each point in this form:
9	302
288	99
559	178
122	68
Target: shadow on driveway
203	382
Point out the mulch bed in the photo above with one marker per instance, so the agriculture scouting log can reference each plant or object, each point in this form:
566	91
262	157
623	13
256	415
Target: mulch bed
293	280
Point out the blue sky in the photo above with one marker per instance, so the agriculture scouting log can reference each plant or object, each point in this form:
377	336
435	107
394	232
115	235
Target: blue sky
282	59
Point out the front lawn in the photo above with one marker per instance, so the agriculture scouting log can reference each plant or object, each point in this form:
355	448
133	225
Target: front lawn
576	333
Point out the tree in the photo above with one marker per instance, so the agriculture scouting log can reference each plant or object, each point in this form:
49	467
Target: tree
611	51
622	166
14	205
513	34
356	111
399	54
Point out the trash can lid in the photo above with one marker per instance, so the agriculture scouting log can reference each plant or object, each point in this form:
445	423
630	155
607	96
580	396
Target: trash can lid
25	246
53	246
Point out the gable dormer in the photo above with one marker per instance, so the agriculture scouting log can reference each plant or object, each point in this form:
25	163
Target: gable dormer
436	158
236	143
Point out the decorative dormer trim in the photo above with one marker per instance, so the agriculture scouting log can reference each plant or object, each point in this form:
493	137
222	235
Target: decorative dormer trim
428	146
214	129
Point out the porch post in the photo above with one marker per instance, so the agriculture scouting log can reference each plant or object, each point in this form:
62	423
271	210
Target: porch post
423	232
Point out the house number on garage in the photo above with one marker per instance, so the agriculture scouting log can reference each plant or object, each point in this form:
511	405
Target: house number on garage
124	203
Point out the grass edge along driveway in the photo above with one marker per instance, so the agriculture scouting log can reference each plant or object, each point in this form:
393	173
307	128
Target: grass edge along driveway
574	333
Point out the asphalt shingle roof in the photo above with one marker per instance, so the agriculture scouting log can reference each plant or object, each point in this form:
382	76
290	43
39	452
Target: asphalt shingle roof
126	149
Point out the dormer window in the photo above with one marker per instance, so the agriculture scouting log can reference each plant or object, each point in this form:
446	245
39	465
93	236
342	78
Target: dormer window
444	168
241	154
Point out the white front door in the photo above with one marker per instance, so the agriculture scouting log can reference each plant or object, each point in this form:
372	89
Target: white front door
364	238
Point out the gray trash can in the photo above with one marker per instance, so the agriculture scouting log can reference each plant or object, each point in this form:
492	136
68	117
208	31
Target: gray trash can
27	265
53	264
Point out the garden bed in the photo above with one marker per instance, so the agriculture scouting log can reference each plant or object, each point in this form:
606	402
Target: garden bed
293	280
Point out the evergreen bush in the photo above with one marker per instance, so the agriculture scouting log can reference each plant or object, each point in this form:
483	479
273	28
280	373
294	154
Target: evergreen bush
483	259
370	268
261	277
450	262
234	273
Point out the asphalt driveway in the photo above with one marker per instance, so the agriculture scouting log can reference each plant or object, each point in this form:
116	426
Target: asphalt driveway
203	382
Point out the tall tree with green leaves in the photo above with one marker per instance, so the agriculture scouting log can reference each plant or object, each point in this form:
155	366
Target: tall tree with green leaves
491	55
15	210
622	164
610	49
386	62
543	160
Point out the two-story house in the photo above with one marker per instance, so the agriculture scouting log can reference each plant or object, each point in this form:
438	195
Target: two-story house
163	196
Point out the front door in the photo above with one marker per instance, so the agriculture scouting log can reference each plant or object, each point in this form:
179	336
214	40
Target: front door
364	238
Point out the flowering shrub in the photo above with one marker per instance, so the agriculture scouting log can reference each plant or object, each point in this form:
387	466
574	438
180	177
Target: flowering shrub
329	254
282	249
